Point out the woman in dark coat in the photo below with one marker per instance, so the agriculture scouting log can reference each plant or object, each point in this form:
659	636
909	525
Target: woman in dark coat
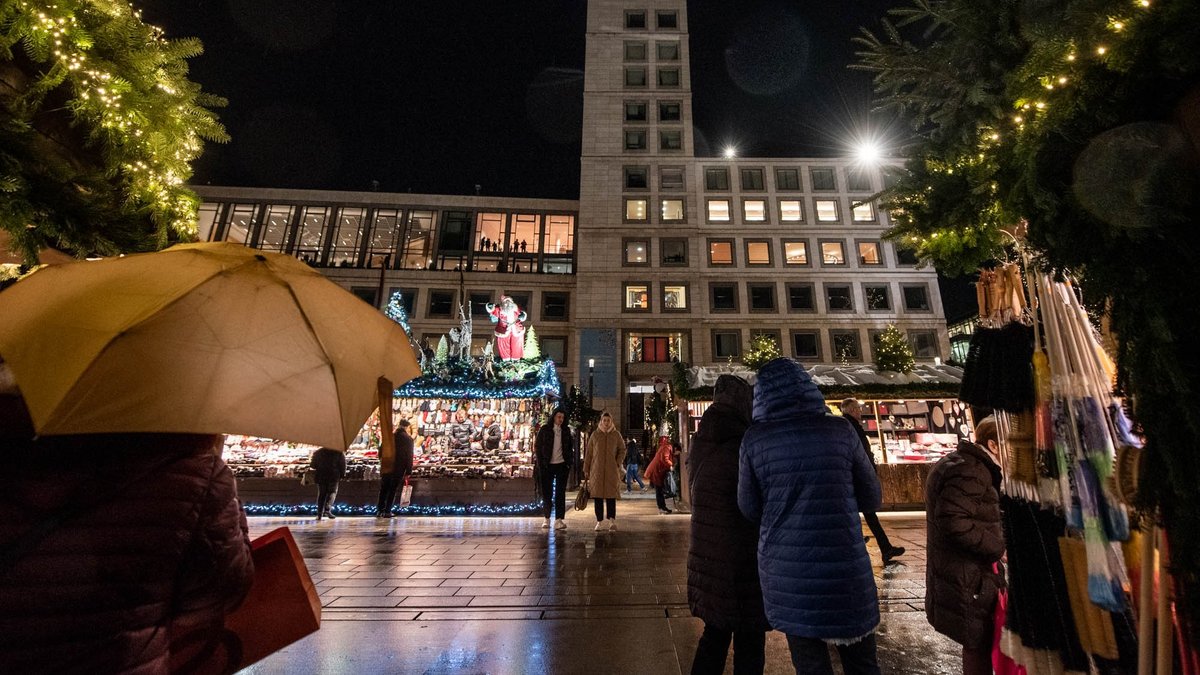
964	538
723	587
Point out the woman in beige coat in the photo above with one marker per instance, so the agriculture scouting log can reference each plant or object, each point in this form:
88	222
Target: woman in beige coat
602	469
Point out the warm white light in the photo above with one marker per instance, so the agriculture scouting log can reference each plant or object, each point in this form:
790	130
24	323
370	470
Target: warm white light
868	152
730	152
937	360
591	363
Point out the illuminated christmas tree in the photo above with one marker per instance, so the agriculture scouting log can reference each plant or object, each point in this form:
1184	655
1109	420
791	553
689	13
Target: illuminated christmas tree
533	349
396	312
892	351
763	348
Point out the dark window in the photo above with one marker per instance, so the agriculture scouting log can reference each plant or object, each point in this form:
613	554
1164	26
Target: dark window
845	345
555	306
752	179
635	139
727	344
924	343
906	257
762	297
916	298
858	180
800	298
670	178
806	345
716	179
635	77
555	348
635	111
637	177
674	251
724	297
667	19
521	298
838	299
670	140
408	298
787	179
668	77
669	111
668	51
635	51
456	231
823	179
878	297
635	19
479	303
441	303
365	294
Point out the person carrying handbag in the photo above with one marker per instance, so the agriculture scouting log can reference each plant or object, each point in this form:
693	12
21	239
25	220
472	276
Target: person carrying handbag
602	469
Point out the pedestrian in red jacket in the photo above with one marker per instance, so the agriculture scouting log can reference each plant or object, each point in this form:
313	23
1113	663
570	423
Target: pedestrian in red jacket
657	472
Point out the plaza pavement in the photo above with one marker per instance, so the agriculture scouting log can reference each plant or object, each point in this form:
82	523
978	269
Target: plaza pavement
501	595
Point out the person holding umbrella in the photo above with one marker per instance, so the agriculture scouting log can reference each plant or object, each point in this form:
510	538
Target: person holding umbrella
401	469
329	467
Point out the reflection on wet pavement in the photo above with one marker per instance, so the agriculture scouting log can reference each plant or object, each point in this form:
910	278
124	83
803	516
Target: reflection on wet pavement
501	595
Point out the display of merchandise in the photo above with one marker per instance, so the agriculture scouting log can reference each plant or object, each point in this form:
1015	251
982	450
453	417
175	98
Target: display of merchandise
487	439
914	432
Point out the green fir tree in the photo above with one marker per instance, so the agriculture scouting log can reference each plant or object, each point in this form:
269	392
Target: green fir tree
892	351
443	351
763	348
396	312
533	348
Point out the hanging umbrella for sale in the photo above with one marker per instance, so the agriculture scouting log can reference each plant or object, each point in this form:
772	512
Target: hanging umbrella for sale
199	338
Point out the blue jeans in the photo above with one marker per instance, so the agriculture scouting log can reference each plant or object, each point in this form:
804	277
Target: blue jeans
631	473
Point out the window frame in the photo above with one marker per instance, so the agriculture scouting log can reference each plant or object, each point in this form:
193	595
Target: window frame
854	215
716	171
687	297
672	24
770	252
808	259
634	70
721	240
812	289
626	201
625	242
708	202
662	82
649	290
712	305
662	117
887	295
937	345
635	44
636	147
673	186
662	207
840	242
834	332
800	206
852	186
782	170
812	178
737	332
829	308
878	250
744	171
547	352
904	287
766	206
632	170
662	251
429	300
815	332
630	19
837	210
774	288
645	106
665	134
546	316
658	50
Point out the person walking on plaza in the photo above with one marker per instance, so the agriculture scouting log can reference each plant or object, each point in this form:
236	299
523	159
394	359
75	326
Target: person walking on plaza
657	472
722	565
108	541
965	538
633	458
329	467
602	463
852	411
401	469
554	453
803	479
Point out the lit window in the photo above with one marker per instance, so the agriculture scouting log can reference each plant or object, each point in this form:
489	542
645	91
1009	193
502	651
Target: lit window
795	252
675	297
833	253
869	253
826	210
635	209
720	252
718	210
637	252
790	211
672	210
754	211
864	213
637	297
758	253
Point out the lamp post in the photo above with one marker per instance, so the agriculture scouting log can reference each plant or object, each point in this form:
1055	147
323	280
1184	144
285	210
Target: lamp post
591	380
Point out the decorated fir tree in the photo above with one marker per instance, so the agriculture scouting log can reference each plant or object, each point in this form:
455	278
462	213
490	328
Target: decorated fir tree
396	312
763	348
892	351
443	351
533	349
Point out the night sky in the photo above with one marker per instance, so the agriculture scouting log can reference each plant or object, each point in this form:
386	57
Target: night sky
440	96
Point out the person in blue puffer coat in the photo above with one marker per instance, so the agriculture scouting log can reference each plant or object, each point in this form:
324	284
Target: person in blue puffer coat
804	478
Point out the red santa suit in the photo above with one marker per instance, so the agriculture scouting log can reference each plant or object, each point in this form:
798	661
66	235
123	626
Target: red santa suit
510	331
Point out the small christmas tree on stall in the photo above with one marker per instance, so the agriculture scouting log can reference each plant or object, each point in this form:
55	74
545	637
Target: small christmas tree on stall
763	348
893	352
533	349
443	351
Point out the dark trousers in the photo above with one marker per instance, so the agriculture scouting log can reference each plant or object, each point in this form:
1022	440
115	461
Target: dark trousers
326	493
601	503
387	493
660	496
810	656
977	661
554	490
749	651
877	530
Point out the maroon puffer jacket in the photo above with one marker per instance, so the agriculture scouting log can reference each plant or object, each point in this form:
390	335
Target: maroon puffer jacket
98	593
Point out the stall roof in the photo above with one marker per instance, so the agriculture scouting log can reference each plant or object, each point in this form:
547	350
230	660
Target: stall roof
861	379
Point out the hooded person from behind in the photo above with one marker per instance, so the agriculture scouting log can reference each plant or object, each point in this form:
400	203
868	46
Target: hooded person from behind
723	586
803	479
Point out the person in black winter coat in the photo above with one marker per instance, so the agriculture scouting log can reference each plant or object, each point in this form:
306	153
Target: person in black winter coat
554	455
965	537
723	585
489	434
461	433
401	468
329	467
852	411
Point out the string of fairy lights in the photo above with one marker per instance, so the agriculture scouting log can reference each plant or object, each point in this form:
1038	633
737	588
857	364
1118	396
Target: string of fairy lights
1031	108
532	508
153	164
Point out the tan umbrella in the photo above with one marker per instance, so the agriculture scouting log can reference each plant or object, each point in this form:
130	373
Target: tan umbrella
199	338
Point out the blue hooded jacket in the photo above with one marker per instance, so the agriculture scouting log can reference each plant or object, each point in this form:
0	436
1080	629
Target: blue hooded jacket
804	478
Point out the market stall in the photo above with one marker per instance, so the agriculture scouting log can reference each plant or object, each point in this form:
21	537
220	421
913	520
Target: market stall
473	421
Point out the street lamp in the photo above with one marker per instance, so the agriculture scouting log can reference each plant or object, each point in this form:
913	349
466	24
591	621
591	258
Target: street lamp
591	380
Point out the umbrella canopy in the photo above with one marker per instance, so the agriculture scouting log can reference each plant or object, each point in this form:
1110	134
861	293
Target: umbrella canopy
199	338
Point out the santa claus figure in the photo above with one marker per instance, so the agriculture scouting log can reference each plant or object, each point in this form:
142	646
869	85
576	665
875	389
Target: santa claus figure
510	331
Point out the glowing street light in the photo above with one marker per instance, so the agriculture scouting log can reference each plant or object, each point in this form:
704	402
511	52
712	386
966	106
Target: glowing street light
868	152
730	152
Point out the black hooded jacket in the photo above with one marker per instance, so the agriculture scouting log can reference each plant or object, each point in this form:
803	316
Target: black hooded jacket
723	584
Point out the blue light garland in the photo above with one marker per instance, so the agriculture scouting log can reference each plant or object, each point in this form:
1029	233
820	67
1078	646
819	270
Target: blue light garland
532	508
430	386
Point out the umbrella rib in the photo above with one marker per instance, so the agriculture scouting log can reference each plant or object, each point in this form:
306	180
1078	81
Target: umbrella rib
316	336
